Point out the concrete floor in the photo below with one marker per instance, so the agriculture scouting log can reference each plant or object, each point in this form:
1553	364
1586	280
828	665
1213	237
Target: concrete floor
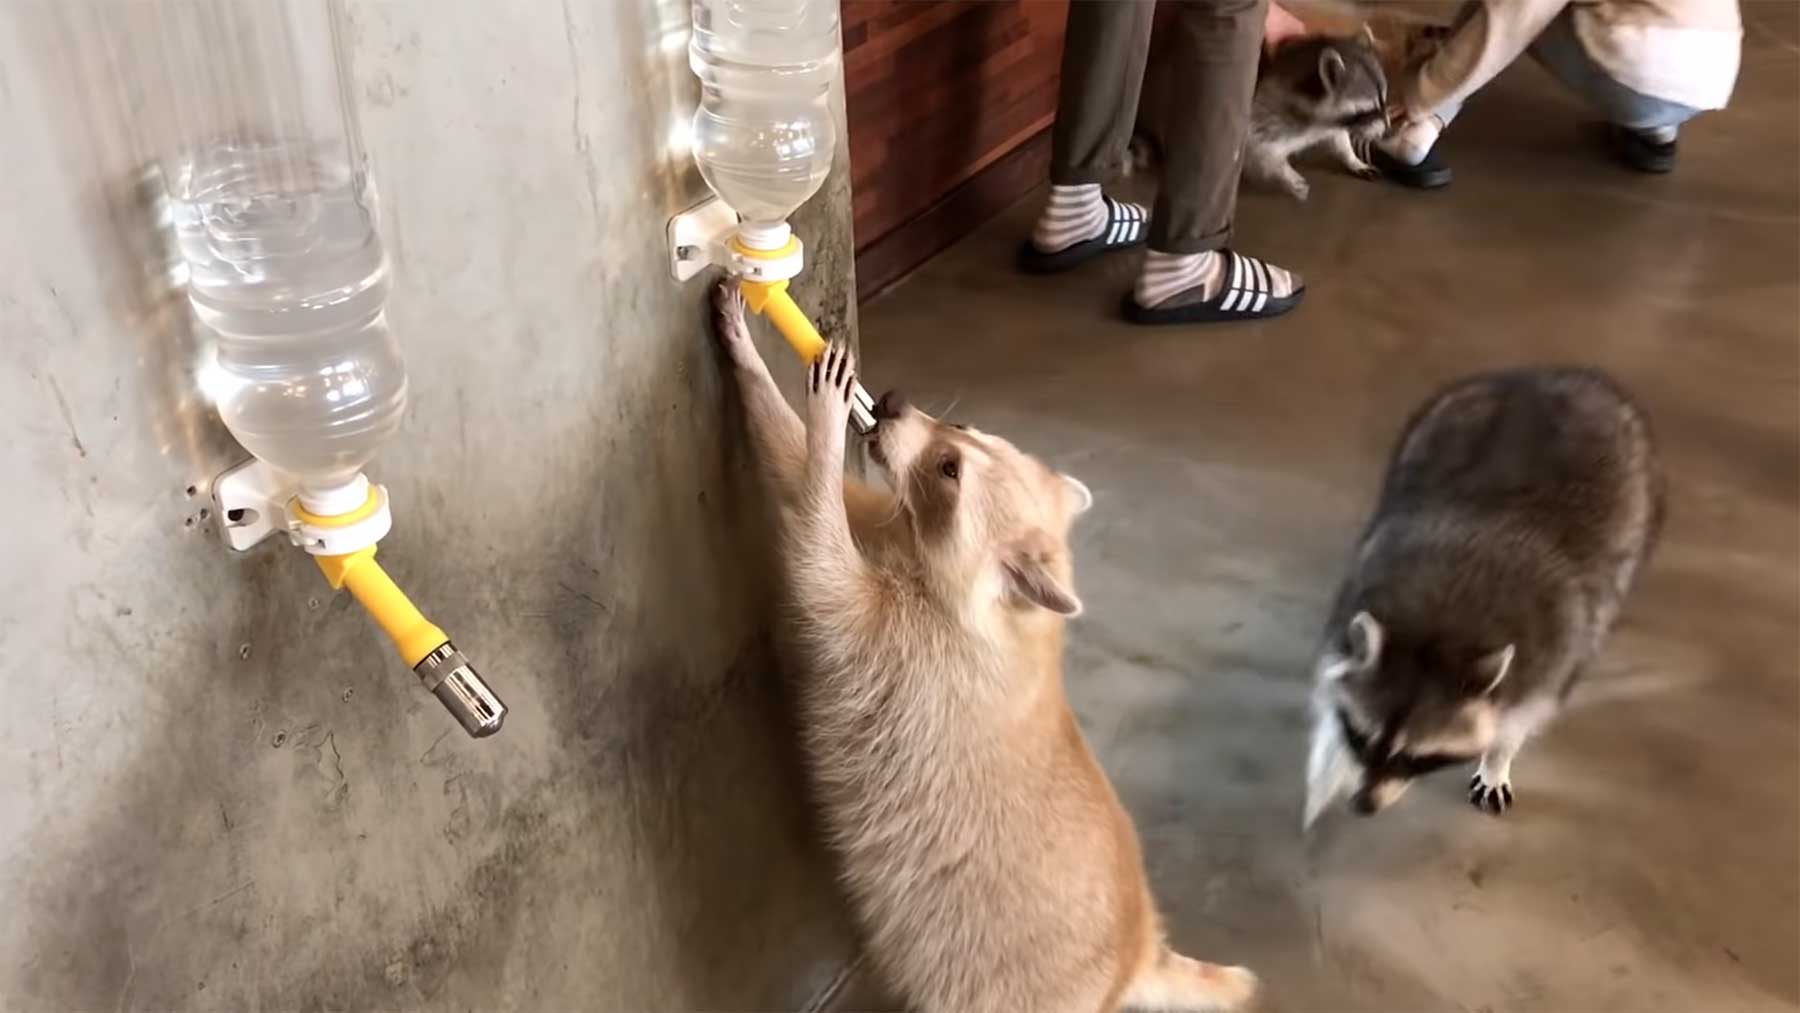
1651	862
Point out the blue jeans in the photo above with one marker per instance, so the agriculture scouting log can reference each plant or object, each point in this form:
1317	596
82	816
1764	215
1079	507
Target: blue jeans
1560	51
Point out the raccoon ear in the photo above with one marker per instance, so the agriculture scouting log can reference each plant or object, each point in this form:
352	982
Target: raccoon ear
1084	497
1331	69
1356	654
1491	671
1030	574
1364	640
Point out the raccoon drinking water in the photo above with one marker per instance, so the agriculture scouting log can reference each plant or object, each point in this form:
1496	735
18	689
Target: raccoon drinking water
1517	512
984	853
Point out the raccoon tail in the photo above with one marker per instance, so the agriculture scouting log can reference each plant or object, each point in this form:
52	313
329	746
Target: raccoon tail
1178	984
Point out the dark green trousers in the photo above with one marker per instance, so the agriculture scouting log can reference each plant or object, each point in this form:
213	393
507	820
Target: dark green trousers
1214	49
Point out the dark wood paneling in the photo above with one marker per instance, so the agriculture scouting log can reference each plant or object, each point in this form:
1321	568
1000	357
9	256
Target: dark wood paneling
938	92
894	255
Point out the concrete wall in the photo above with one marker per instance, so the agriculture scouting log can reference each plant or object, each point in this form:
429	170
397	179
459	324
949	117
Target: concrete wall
219	789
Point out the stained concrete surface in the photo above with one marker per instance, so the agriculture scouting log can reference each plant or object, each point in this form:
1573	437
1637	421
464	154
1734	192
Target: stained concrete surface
219	788
1651	862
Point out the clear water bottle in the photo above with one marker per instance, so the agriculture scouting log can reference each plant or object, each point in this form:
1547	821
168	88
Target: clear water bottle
294	282
275	217
763	135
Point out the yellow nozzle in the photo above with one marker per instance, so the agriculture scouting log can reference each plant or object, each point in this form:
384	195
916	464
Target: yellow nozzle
771	299
411	632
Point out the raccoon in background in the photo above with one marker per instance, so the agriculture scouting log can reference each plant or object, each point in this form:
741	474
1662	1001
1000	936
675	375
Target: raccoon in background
1517	512
1314	90
1310	92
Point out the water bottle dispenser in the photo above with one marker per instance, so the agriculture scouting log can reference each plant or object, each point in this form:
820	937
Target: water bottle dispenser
764	139
274	214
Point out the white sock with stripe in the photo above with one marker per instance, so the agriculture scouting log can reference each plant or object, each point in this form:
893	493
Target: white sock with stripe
1075	214
1166	275
1411	141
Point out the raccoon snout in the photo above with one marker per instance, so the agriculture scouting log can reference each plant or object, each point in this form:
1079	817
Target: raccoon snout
1373	797
891	405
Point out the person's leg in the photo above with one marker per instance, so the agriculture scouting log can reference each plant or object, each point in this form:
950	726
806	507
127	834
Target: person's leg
1645	127
1428	108
1487	36
1102	75
1215	50
1216	47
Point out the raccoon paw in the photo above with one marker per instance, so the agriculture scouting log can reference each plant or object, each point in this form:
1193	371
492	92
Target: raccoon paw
1297	187
729	324
1494	799
829	384
1365	171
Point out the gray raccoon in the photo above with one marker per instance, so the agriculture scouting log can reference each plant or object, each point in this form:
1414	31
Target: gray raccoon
1317	90
1313	91
1517	512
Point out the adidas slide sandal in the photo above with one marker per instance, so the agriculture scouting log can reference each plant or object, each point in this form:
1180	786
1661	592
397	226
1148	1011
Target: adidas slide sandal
1127	225
1248	295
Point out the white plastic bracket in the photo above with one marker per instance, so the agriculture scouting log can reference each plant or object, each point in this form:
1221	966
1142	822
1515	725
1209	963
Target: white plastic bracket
256	501
700	237
779	268
251	503
697	237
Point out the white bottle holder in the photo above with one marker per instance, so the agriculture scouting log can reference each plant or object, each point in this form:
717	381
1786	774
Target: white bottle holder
255	501
700	237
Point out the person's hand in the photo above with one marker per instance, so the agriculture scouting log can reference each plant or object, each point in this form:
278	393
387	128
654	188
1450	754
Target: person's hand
1279	26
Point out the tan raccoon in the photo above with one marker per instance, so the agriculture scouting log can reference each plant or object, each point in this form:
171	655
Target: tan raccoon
985	854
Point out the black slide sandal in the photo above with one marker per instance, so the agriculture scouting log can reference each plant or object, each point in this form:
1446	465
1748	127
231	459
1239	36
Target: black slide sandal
1429	174
1127	225
1247	295
1641	153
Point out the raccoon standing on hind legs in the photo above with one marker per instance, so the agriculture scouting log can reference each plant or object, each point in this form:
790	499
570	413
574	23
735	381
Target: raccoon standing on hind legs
985	855
1517	512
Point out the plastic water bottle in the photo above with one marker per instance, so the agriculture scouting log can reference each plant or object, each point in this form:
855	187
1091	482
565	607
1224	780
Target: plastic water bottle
286	266
275	219
763	135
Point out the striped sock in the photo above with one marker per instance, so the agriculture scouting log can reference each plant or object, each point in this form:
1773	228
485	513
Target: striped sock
1072	215
1166	275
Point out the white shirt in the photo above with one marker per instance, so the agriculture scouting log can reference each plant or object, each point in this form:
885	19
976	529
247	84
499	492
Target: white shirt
1683	51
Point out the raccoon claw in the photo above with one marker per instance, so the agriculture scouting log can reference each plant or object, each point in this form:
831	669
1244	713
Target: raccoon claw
830	380
833	373
1366	172
729	324
1490	798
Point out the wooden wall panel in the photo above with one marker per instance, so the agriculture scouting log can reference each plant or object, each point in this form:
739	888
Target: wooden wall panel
938	91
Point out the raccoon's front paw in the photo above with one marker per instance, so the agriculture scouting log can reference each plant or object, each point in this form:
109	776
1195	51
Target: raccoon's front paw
1296	186
729	325
829	383
1494	799
1356	154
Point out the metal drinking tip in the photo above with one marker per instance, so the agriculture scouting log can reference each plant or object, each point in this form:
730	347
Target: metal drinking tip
456	684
